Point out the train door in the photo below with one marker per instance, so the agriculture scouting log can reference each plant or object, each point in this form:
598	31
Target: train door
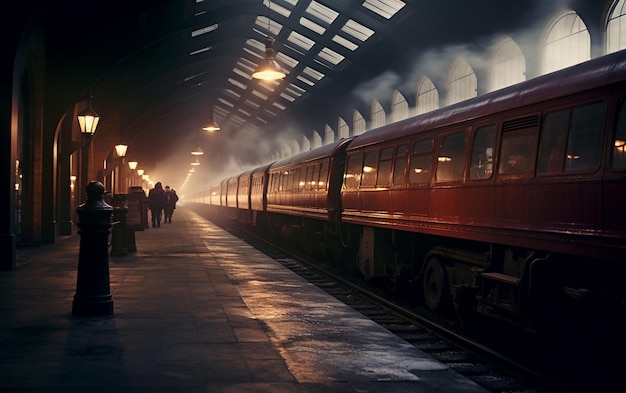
615	185
419	175
447	197
399	197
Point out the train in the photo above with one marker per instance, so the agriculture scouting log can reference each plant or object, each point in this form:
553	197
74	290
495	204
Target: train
509	205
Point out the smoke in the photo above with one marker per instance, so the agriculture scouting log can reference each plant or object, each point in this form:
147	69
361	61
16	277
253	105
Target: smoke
381	86
435	63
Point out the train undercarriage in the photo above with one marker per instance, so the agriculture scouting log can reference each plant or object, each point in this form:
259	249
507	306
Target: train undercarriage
528	288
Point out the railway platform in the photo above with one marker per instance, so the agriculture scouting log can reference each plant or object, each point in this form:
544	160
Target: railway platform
196	310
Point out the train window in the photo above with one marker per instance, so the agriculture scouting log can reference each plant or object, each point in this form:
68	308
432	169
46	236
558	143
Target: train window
421	161
552	142
619	144
585	137
315	175
384	167
425	146
399	166
300	178
322	183
370	168
517	152
481	166
451	159
308	178
353	171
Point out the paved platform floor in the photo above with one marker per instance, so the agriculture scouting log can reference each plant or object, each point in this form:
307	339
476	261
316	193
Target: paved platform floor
196	310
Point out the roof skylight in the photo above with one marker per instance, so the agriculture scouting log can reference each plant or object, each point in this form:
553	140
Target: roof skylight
345	43
277	8
237	83
387	8
357	30
300	40
309	24
331	56
204	30
322	12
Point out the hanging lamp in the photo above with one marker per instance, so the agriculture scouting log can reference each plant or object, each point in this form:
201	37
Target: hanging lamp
88	119
269	69
212	124
197	151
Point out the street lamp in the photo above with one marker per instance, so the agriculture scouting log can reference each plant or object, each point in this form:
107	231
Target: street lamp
88	119
120	149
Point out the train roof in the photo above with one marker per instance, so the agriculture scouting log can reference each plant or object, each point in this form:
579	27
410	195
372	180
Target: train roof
310	155
592	74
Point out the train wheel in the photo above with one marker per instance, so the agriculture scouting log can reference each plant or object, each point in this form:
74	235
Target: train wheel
435	284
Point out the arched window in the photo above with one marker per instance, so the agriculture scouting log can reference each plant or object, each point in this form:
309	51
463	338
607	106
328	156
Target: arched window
508	65
378	115
306	143
567	42
461	82
358	123
427	96
616	27
316	140
329	135
343	130
399	107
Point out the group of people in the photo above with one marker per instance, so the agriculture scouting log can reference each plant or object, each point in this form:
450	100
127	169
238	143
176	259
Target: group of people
162	203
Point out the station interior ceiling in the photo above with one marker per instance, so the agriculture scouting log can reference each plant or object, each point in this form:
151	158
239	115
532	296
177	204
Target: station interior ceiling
159	69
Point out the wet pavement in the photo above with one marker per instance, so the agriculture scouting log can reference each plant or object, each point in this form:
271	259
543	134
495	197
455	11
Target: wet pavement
196	310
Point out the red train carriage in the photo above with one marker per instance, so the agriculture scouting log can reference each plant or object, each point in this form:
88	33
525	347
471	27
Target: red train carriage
303	190
502	201
258	195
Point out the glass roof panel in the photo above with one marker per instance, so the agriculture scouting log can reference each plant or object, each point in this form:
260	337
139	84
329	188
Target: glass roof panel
385	8
296	89
305	80
300	40
313	73
252	104
225	102
201	50
268	24
284	59
321	12
273	7
345	43
357	30
309	24
237	83
257	45
245	68
287	97
231	92
279	106
259	94
242	73
204	30
237	119
331	56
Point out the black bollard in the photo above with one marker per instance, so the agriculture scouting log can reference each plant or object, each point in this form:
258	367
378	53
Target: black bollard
131	240
93	292
119	238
